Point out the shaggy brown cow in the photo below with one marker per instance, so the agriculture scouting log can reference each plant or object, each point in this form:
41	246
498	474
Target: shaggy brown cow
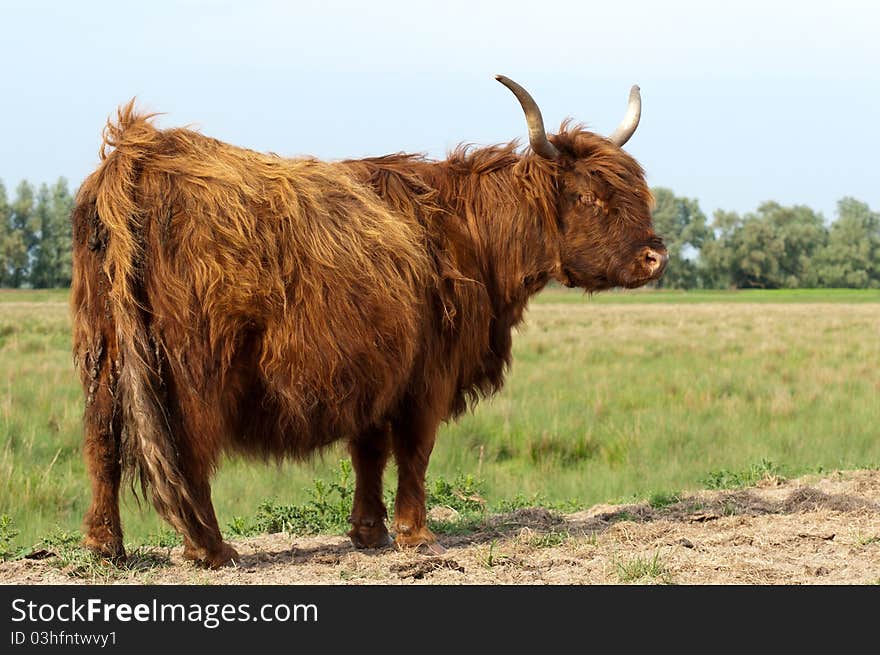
229	300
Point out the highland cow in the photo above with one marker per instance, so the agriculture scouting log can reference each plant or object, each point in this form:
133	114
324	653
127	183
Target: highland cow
227	300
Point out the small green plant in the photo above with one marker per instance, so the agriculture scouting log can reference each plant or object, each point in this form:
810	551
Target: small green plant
61	539
165	538
549	539
464	494
662	499
641	569
239	527
326	510
725	479
8	533
862	539
463	525
694	506
329	506
623	516
492	558
520	501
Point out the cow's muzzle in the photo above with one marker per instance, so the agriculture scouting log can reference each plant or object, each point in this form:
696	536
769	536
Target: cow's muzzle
654	261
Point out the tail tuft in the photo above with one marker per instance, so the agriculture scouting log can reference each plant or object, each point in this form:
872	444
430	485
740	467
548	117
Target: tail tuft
148	444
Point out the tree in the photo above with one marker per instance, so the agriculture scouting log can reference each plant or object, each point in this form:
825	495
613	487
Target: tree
23	234
716	256
52	252
684	229
63	202
852	256
6	246
41	270
772	248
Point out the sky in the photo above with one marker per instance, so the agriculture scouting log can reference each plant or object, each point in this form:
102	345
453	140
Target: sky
742	102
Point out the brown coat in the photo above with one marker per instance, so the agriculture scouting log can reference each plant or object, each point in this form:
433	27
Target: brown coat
227	299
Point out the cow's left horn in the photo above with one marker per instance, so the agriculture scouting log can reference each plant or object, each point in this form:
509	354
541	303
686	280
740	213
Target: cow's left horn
537	136
631	121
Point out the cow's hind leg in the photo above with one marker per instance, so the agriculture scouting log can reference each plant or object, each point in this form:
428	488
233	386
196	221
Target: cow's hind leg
102	528
413	440
203	542
369	454
206	547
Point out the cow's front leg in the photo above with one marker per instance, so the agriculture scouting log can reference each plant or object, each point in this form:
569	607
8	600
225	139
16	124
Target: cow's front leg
412	442
369	454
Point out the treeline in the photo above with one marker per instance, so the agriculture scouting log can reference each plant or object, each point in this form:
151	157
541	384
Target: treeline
35	237
771	248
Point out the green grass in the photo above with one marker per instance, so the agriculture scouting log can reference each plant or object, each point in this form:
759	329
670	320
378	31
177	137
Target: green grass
643	569
554	295
326	510
724	479
493	557
78	562
661	499
610	399
328	506
34	295
8	534
549	539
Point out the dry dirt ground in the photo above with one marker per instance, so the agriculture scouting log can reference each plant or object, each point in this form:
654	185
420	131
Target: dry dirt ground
812	530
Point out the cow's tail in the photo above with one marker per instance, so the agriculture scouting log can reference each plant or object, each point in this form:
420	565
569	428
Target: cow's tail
150	448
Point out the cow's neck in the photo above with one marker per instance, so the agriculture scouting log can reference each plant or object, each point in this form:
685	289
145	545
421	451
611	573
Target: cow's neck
513	233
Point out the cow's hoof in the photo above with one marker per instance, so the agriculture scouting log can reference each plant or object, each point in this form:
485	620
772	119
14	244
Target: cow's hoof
223	555
226	556
422	541
375	536
111	550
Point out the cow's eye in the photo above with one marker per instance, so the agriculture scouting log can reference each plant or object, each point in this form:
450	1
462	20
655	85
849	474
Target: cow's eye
584	199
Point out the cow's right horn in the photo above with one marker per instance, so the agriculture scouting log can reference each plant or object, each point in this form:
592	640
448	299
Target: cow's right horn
630	121
537	136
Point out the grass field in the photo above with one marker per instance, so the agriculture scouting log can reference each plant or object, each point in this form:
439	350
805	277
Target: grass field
559	295
611	397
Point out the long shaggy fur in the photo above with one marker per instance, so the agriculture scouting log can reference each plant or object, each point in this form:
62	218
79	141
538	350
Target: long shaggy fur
240	279
227	299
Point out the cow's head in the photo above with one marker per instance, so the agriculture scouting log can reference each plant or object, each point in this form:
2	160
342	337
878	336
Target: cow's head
603	202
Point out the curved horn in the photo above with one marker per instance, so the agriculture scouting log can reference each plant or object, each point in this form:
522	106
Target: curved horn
631	121
537	135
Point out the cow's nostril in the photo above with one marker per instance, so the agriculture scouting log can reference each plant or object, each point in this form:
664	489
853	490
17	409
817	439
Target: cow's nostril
655	261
